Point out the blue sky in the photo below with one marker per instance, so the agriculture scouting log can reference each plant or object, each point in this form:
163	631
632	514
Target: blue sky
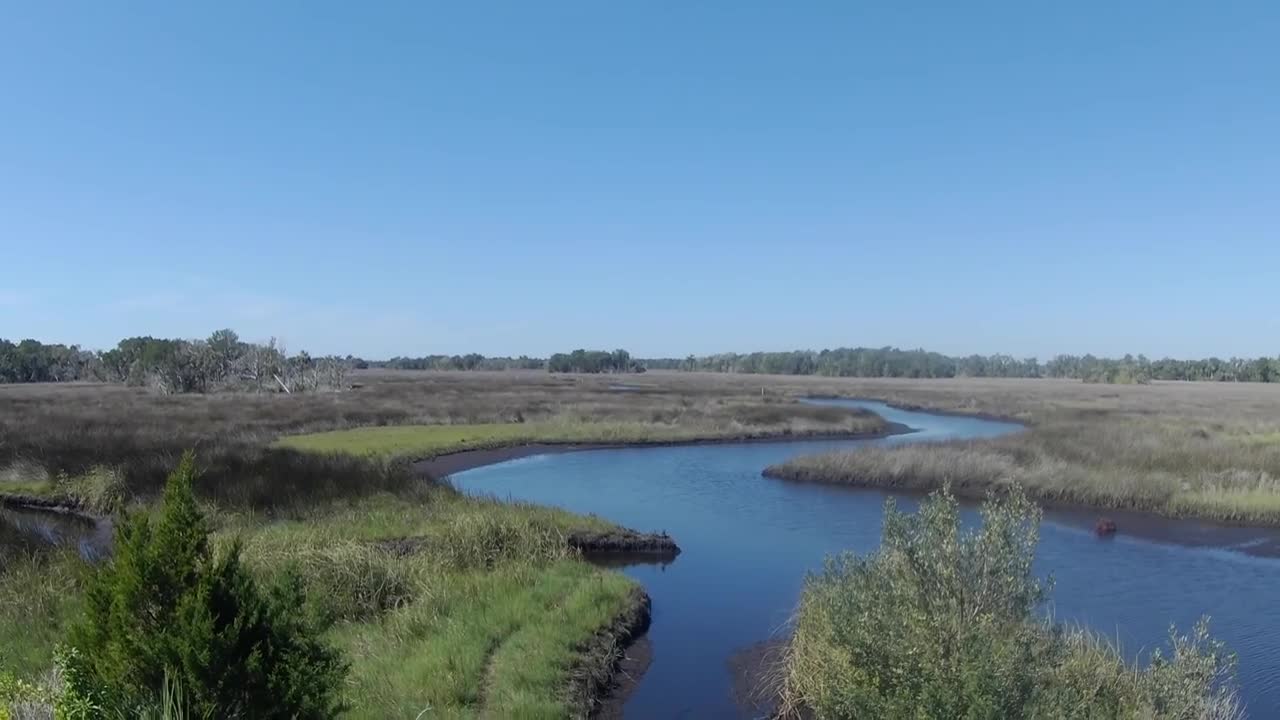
669	177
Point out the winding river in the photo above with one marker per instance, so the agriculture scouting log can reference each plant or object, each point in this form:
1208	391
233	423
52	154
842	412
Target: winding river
747	542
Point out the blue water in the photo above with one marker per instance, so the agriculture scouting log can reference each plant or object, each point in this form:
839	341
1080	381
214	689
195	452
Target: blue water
747	542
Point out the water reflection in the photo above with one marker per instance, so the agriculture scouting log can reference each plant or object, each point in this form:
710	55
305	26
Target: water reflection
29	530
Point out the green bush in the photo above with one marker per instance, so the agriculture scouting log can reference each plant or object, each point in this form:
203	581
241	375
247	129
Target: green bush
941	623
166	606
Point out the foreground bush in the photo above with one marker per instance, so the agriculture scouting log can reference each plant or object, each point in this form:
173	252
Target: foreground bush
166	608
941	623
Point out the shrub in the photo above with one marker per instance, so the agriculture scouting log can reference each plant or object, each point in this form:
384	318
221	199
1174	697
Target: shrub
166	605
941	623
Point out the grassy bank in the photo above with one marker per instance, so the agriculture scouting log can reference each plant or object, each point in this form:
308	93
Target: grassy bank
483	616
469	607
425	441
1206	450
943	621
1173	478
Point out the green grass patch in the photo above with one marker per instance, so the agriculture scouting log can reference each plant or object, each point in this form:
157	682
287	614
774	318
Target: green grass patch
98	490
498	644
466	606
39	596
470	606
425	441
428	512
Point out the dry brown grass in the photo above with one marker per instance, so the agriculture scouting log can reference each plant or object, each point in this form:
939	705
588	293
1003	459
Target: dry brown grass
1185	449
48	431
1208	449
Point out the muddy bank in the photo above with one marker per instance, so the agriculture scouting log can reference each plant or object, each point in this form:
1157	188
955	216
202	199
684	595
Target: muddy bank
613	548
606	667
442	466
61	506
624	542
756	674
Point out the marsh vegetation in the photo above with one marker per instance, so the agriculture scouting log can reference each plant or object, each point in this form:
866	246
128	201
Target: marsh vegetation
472	606
1177	449
432	599
942	622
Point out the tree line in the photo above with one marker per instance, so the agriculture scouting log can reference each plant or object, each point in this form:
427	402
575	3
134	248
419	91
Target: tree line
578	361
221	362
894	362
594	361
470	361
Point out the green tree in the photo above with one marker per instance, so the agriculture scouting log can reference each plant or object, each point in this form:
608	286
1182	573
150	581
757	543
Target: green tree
166	603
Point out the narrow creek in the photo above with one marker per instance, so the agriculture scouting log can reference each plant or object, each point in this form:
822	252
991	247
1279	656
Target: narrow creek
748	541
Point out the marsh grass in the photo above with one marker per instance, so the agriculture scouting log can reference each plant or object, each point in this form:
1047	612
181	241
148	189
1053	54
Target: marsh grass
500	643
426	441
1178	449
136	436
40	594
466	606
973	469
941	622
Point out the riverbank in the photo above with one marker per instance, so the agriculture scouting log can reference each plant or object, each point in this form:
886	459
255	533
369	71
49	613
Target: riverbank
475	606
443	465
972	469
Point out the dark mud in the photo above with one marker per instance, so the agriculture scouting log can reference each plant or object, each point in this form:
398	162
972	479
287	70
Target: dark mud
611	662
756	673
624	542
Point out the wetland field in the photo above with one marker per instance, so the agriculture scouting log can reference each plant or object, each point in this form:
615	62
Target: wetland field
447	582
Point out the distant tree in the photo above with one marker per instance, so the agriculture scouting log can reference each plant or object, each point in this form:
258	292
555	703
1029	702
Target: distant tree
593	361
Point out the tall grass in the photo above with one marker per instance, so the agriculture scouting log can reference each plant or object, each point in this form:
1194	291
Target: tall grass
455	606
39	597
941	622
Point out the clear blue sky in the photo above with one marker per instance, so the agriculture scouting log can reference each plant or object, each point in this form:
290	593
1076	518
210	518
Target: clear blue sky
670	177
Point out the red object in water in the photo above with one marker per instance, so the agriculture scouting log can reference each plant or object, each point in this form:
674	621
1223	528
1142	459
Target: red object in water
1105	526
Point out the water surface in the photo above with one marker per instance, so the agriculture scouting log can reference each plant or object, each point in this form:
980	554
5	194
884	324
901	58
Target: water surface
747	542
28	529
